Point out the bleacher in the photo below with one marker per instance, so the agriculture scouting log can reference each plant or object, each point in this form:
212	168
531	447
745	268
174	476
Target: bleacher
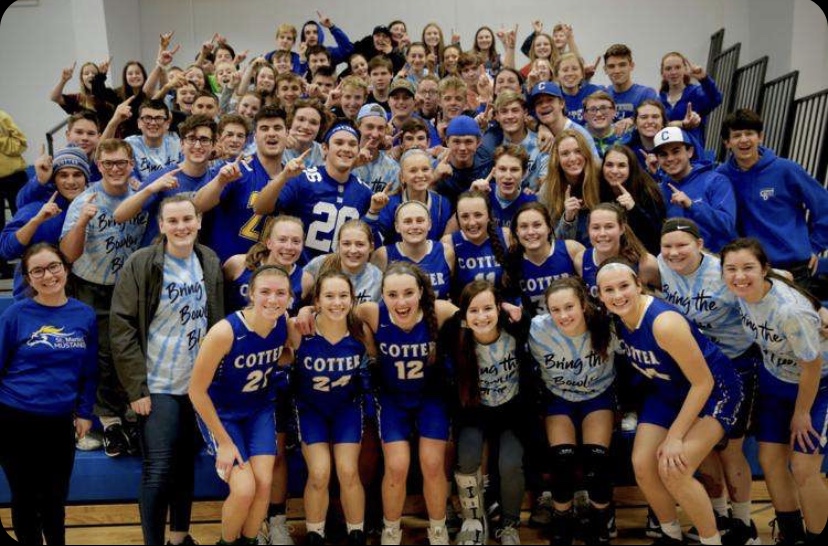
794	128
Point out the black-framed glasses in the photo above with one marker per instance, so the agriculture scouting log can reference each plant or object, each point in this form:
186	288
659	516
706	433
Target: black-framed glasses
204	141
38	272
598	109
118	163
153	119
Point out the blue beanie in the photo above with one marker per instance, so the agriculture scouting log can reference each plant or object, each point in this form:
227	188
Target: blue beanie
74	157
463	126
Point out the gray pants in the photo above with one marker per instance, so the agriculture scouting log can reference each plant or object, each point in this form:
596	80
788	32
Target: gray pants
510	463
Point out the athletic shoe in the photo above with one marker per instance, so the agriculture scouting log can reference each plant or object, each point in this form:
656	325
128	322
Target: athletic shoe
188	541
612	530
115	441
629	422
453	519
314	539
91	442
356	538
664	540
542	511
391	536
438	535
473	532
133	434
653	527
722	524
741	534
508	535
279	531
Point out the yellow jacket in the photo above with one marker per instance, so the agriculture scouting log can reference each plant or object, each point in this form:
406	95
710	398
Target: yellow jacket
12	145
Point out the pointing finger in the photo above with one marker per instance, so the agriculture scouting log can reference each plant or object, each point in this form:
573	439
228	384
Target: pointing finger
568	192
689	108
672	187
53	197
42	149
489	178
387	189
92	197
174	50
305	154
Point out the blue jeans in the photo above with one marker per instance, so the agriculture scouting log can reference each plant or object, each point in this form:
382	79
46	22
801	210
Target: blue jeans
168	445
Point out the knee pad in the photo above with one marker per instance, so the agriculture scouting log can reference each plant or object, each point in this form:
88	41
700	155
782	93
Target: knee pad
470	493
597	475
563	472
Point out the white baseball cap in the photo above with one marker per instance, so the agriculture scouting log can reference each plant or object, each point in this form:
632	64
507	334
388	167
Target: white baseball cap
671	134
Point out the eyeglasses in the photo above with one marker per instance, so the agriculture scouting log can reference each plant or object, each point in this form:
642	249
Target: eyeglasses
204	141
118	163
430	93
38	272
153	119
599	109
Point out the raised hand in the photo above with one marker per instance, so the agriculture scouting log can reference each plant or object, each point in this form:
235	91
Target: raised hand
165	39
537	26
230	172
679	197
240	57
625	199
572	205
691	119
591	69
623	126
323	20
166	182
295	166
698	72
483	184
124	111
103	68
650	160
89	209
380	199
165	58
455	38
43	166
66	73
49	209
443	168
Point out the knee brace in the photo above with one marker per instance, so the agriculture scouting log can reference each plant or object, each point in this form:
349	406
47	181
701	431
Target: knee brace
597	475
470	493
563	473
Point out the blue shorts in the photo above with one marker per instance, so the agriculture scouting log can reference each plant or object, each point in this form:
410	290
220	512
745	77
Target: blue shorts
661	407
577	411
255	435
398	421
339	425
774	414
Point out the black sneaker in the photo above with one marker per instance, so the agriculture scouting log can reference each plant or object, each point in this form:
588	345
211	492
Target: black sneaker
116	442
653	527
562	527
722	524
133	434
314	538
188	541
741	534
665	540
356	538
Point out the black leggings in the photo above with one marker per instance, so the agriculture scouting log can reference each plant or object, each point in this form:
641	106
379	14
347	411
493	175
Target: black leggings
37	456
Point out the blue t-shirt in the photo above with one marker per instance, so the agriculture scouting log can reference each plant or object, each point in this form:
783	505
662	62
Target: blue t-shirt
151	160
49	358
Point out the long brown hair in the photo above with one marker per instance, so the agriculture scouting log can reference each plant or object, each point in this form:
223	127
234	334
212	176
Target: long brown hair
630	246
465	356
639	183
354	323
427	300
597	321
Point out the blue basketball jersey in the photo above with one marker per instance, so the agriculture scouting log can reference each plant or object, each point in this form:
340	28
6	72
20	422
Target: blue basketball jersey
326	372
646	356
475	261
243	382
403	357
238	293
537	278
323	205
433	264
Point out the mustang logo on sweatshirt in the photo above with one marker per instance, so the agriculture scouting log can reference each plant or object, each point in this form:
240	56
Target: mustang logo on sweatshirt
55	338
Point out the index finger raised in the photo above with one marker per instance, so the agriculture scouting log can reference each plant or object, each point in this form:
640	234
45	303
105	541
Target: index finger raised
672	187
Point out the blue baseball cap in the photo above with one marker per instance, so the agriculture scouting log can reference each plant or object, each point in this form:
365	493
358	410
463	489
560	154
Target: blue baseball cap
463	126
544	88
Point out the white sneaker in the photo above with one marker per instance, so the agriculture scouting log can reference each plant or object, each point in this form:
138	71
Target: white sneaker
90	442
438	535
508	535
280	531
391	536
471	532
629	422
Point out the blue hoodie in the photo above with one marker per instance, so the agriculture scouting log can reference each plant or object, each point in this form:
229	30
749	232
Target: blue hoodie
772	197
714	207
339	54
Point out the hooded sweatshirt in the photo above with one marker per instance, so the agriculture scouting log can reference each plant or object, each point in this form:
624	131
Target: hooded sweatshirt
772	197
714	207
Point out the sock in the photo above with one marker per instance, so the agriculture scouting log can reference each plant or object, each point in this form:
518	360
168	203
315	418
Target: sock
715	539
436	523
275	509
719	505
741	511
672	529
355	526
318	528
107	422
177	537
395	525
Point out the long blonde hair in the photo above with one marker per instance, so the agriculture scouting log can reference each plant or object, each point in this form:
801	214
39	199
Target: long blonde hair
554	187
